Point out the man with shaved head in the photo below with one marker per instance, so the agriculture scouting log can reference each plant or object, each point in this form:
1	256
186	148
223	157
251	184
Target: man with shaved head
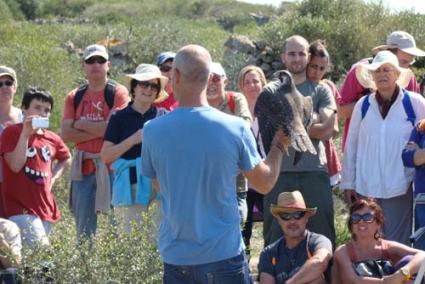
309	175
195	153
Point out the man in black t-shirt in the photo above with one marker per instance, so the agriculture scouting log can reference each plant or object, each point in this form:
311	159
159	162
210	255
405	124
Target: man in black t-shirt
300	256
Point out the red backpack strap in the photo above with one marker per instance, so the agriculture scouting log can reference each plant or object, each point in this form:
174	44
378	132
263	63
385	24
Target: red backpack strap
231	101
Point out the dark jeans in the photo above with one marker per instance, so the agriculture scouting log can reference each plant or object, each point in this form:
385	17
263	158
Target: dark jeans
228	271
254	199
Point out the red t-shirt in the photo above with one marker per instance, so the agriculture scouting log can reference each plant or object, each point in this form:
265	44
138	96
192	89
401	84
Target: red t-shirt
93	107
169	103
28	191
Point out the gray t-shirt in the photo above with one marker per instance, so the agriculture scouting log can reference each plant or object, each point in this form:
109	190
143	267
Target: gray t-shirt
322	98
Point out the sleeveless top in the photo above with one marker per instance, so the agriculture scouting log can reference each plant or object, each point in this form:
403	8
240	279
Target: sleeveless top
376	268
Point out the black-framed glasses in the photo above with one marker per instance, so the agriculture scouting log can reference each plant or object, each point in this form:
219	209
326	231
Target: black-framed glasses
367	217
7	83
146	84
165	68
97	59
293	215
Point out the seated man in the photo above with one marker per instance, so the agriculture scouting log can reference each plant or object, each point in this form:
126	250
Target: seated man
300	256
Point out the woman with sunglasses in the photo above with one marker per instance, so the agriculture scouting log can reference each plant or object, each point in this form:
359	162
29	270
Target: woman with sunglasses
318	66
131	192
251	81
368	257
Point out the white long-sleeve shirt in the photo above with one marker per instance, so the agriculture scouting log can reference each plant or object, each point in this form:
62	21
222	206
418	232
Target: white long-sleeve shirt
372	164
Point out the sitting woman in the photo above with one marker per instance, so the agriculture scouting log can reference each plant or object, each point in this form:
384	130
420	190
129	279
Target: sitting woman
131	192
368	258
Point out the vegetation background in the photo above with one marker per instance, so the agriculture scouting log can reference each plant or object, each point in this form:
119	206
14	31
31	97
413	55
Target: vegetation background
42	39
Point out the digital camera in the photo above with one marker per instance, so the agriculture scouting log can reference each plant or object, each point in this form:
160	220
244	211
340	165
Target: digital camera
40	122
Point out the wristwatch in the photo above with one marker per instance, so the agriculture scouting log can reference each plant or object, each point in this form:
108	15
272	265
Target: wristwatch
406	273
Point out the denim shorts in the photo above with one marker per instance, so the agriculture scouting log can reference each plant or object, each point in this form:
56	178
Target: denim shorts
228	271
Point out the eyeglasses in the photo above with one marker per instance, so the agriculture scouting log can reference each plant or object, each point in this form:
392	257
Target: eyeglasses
94	59
216	78
367	217
294	215
6	83
146	84
165	68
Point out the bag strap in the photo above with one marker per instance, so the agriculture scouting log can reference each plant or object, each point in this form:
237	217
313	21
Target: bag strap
109	94
408	108
351	252
365	106
231	101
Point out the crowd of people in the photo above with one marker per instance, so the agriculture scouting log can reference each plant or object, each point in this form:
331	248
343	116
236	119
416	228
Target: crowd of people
174	142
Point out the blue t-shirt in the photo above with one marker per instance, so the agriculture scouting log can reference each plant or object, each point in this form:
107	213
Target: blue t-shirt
196	153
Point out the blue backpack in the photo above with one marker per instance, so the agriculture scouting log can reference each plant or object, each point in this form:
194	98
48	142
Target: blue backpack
407	105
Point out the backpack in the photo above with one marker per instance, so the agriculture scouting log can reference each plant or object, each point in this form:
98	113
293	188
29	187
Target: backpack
231	101
109	94
407	105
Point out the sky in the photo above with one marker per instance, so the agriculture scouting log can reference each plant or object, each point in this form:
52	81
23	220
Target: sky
397	5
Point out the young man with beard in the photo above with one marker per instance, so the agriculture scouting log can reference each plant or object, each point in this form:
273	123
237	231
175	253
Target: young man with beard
309	175
300	256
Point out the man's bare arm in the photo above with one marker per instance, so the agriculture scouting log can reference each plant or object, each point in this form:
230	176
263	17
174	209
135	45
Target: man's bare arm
71	134
324	129
96	128
264	176
313	268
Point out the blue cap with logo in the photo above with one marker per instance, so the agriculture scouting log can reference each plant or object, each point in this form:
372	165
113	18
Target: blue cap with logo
164	56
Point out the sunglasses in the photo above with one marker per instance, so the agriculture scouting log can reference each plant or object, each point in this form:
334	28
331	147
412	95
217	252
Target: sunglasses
294	215
6	83
367	217
145	85
165	68
94	59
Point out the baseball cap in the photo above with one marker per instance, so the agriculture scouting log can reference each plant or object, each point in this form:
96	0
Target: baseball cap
164	56
401	40
4	70
216	68
95	50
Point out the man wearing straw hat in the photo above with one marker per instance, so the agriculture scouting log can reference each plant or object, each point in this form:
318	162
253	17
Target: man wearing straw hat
403	45
299	256
85	117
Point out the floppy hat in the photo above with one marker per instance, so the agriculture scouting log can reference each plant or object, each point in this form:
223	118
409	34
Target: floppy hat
95	50
288	202
401	40
364	74
7	71
146	72
216	68
164	56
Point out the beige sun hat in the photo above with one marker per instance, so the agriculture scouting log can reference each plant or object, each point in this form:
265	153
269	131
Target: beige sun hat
7	71
364	74
146	72
401	40
95	50
288	202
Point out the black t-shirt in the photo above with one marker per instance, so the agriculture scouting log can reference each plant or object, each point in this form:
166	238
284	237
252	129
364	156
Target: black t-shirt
282	263
122	125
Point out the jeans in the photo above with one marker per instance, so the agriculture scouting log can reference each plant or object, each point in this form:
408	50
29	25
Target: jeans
229	271
83	197
34	231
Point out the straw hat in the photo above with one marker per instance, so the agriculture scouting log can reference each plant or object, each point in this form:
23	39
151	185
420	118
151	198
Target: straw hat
401	40
364	74
146	72
288	202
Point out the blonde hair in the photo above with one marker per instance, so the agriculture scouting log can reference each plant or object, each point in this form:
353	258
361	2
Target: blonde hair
246	70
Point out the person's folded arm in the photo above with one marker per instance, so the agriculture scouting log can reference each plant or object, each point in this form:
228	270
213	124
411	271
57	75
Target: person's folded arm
313	268
325	129
71	134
